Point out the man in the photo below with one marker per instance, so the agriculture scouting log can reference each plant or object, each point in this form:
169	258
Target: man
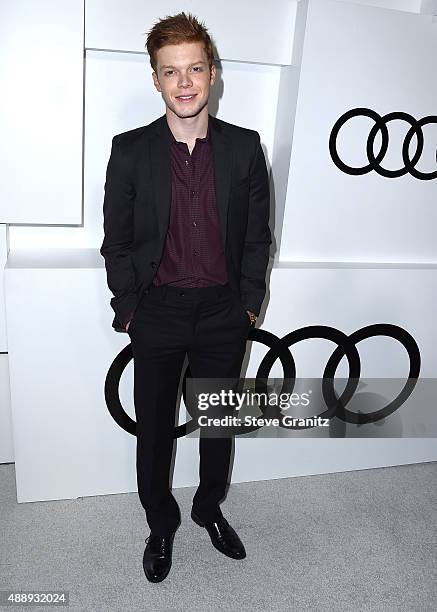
186	249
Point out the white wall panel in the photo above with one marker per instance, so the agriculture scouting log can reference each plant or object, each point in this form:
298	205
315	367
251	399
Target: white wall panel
120	96
411	6
4	237
247	30
285	118
66	443
428	7
361	56
6	445
41	72
6	438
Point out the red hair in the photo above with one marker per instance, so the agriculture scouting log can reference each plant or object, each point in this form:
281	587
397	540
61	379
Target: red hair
176	29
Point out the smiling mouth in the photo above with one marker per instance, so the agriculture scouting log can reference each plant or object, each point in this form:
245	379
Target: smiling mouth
186	98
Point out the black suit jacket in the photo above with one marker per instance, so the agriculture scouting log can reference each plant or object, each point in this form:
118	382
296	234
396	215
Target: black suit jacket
137	203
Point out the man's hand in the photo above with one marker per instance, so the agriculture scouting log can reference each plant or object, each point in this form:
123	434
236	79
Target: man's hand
252	316
131	316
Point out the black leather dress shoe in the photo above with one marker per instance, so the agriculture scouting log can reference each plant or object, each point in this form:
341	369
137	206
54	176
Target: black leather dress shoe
157	557
223	537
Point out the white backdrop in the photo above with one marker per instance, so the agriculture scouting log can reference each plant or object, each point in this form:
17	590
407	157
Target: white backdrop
41	114
297	69
361	56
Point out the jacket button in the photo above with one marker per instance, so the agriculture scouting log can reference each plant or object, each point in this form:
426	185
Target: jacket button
153	264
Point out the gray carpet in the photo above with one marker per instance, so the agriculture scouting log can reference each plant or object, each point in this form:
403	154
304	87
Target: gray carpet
363	540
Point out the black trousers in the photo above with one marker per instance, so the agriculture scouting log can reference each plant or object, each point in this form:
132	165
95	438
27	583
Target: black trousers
210	325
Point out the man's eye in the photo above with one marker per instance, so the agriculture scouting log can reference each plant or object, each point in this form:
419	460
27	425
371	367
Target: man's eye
197	68
168	72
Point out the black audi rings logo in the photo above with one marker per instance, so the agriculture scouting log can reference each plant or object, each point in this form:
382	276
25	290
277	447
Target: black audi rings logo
381	126
346	346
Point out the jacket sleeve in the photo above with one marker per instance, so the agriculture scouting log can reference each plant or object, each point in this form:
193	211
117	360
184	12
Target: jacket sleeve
257	242
118	233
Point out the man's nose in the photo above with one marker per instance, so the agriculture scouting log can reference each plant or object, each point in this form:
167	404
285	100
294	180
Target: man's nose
184	80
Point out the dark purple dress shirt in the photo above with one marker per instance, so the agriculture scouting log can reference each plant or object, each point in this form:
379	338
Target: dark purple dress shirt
193	252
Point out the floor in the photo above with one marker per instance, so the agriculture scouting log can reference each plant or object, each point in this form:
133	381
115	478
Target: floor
362	540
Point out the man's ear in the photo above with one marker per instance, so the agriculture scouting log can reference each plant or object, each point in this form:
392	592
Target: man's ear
213	74
155	81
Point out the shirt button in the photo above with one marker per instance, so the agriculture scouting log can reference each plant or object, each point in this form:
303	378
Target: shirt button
187	163
194	224
195	252
193	193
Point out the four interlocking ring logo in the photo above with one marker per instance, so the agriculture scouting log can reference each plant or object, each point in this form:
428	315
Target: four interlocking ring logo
278	349
381	126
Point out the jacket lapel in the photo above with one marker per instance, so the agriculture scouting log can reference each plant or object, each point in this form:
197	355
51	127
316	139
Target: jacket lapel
161	173
222	159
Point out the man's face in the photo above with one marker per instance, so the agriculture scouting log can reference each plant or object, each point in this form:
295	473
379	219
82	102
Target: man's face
183	77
